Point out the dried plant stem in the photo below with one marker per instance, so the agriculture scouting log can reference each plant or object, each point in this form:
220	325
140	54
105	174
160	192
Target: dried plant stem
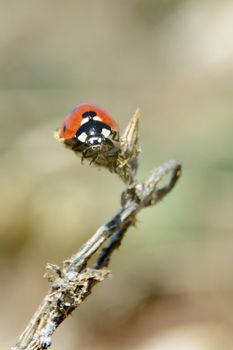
72	283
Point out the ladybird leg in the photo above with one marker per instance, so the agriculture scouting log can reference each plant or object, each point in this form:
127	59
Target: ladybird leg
114	147
114	144
109	143
115	136
87	154
94	159
84	155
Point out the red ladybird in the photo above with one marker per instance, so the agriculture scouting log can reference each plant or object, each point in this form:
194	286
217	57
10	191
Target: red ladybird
90	130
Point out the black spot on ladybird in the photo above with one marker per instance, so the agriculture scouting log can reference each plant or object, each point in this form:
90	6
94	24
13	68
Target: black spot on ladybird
89	114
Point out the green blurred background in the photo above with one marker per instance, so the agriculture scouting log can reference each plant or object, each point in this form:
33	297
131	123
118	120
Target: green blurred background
172	284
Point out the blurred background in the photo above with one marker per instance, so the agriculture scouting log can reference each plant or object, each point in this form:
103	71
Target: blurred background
172	284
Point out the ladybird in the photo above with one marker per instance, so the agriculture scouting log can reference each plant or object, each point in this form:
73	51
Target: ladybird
90	131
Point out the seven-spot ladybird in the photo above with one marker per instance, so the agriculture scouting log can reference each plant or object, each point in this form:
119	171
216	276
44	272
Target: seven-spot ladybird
90	130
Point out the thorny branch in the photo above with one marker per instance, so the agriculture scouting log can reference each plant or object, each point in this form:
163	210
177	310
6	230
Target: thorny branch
72	283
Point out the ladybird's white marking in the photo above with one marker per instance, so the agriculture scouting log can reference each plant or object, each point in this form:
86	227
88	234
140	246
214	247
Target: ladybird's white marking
85	120
82	137
93	140
105	132
97	118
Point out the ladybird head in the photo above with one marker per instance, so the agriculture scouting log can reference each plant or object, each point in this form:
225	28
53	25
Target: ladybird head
93	133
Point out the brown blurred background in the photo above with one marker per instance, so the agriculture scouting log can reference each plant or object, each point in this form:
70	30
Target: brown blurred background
172	285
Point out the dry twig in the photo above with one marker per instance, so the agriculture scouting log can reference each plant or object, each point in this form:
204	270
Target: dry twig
72	283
